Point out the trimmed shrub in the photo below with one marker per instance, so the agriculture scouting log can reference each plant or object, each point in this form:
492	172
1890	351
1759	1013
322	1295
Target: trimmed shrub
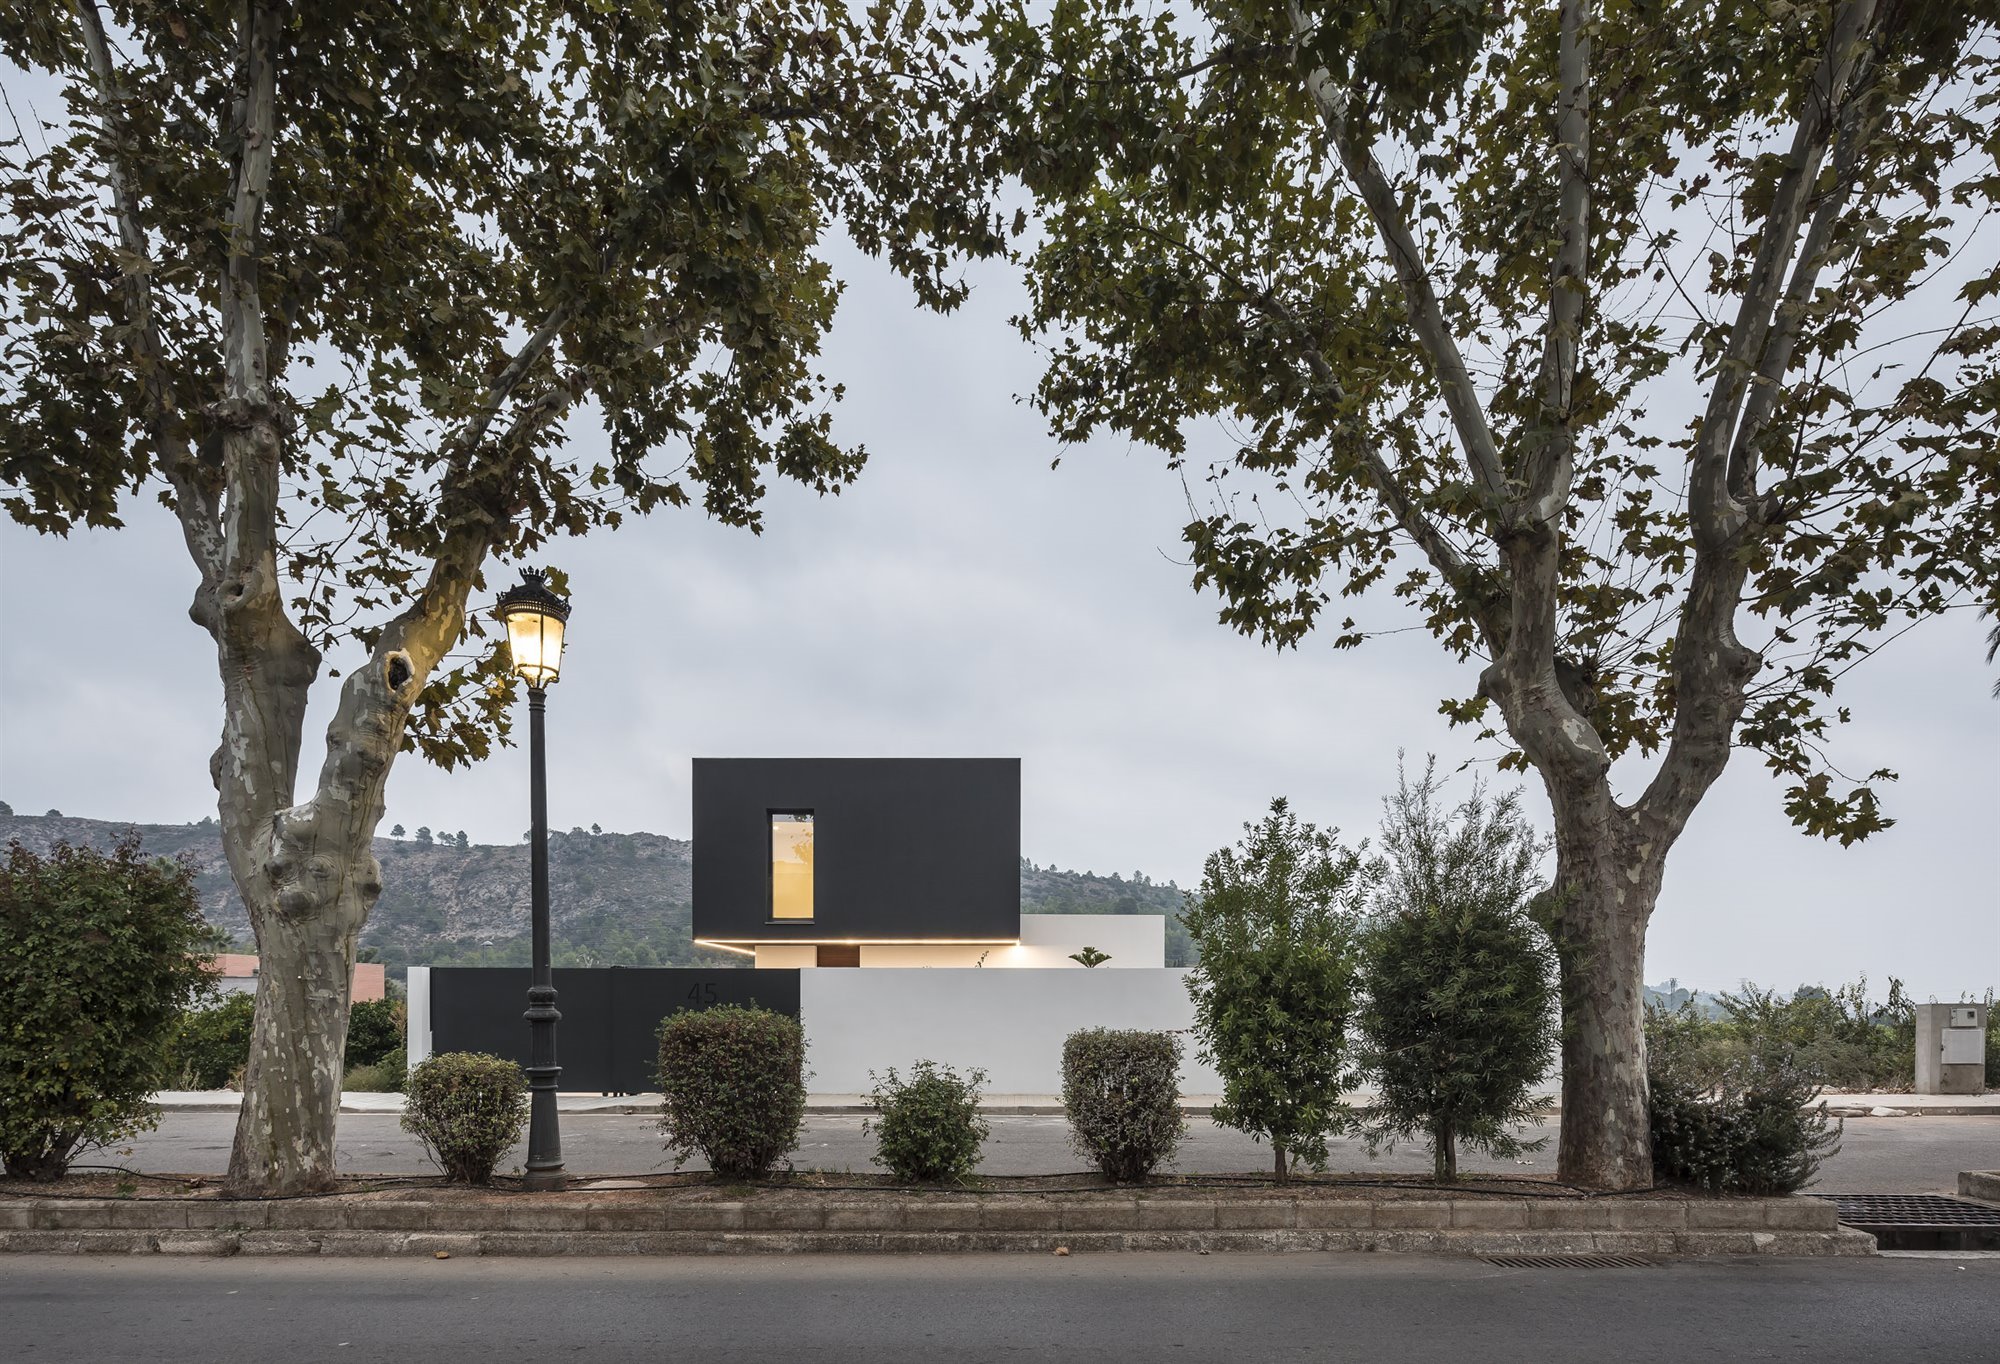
1459	984
211	1046
734	1085
1743	1130
928	1129
468	1109
1274	925
100	956
1121	1092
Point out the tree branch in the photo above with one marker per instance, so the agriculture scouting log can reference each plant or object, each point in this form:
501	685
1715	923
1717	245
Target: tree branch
467	438
1860	119
1428	536
1711	668
1461	398
195	497
1717	515
244	356
1551	467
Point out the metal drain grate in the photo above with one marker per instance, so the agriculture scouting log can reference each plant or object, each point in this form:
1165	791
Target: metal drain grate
1569	1261
1920	1221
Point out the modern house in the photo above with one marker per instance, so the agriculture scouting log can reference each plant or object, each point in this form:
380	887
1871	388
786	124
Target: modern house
811	862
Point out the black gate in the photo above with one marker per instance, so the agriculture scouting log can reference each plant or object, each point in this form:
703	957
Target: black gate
606	1041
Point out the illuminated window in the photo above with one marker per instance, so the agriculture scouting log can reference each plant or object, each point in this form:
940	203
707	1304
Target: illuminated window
792	864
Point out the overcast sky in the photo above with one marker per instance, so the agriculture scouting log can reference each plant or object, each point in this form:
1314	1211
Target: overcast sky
965	599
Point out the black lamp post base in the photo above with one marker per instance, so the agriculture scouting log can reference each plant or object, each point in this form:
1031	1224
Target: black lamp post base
545	1181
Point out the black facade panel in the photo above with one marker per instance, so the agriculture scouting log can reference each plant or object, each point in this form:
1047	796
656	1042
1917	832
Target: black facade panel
606	1042
903	848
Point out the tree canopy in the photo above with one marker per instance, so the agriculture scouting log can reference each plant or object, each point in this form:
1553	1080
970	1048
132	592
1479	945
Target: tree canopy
1404	287
438	235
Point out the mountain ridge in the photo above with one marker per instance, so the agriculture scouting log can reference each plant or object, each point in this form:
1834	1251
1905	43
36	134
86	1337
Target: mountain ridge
616	899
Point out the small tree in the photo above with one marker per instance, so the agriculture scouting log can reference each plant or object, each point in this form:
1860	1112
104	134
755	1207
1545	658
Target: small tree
423	835
1090	958
396	832
1274	926
99	957
1460	985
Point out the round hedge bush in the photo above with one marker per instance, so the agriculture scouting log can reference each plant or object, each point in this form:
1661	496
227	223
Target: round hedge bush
928	1128
467	1108
733	1081
1121	1091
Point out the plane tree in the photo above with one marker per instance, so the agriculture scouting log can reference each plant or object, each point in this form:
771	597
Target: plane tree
373	297
1643	349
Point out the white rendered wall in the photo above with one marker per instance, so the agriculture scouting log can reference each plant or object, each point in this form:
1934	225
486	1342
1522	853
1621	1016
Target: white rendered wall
1011	1024
1133	941
417	1013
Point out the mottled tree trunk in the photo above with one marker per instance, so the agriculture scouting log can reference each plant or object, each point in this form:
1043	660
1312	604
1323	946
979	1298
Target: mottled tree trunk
1605	892
291	1091
1278	1170
308	874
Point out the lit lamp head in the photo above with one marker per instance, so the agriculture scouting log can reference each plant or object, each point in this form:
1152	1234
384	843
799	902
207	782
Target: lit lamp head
534	617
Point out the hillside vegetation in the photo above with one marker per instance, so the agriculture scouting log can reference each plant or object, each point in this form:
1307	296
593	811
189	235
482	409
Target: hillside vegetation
616	899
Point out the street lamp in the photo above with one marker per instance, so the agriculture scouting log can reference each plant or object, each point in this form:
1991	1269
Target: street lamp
535	617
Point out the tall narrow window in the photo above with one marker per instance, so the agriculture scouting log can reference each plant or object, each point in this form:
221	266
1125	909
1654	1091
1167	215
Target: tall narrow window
792	864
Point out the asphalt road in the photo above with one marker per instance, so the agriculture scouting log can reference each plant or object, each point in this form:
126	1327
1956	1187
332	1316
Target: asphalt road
1233	1309
1878	1155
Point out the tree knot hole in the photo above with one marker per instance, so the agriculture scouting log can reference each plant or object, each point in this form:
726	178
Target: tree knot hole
398	670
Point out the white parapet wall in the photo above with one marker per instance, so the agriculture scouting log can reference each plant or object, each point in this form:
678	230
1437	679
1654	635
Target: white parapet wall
417	1013
1010	1024
1133	941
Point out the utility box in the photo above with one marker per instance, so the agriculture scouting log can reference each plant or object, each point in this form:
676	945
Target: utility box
1951	1048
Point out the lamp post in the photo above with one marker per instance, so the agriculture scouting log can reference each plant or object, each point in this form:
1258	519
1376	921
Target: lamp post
535	617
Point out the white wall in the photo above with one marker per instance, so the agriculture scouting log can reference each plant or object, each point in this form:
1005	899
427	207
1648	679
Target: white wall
1134	940
417	1014
1011	1024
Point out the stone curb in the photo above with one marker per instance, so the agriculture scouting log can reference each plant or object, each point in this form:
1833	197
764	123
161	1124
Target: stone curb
557	1225
1841	1242
1983	1185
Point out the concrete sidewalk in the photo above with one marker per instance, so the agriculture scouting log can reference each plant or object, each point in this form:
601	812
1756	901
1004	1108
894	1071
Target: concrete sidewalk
1841	1105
